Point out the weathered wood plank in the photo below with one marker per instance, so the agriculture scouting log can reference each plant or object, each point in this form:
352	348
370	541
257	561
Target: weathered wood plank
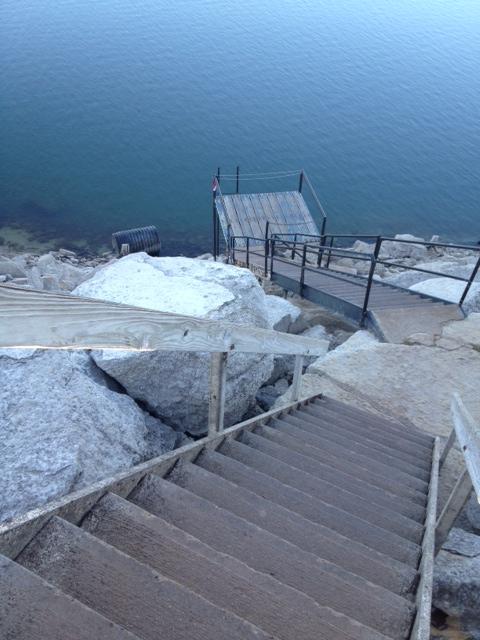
421	627
216	401
297	378
468	436
30	318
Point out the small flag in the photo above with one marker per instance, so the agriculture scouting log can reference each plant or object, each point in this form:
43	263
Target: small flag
214	184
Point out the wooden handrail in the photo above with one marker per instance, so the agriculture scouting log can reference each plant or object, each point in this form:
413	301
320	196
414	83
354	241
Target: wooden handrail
30	318
467	433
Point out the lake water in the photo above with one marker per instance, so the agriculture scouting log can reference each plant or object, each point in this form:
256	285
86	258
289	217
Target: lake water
116	113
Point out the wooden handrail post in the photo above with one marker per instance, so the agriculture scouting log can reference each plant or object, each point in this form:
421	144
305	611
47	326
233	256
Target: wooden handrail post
455	503
216	402
297	378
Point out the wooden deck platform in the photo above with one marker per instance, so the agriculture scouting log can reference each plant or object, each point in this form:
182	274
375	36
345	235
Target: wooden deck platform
247	214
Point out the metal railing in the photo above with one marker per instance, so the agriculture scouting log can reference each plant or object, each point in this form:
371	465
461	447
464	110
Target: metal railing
299	247
328	240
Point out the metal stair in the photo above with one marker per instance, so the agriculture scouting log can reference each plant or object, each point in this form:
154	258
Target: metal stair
304	523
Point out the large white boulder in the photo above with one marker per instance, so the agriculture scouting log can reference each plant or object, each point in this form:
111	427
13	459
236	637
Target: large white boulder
461	267
62	427
174	385
451	290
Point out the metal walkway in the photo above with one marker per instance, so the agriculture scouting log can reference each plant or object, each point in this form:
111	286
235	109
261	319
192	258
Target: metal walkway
314	522
345	293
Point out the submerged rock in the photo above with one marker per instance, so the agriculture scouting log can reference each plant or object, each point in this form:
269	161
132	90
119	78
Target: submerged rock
63	427
174	385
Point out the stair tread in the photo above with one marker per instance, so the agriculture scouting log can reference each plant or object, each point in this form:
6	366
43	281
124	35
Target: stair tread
362	507
408	431
356	465
224	581
354	444
381	495
30	607
287	524
346	523
268	553
126	591
391	444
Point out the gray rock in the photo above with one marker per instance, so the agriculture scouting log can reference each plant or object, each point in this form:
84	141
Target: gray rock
282	366
472	511
463	543
456	585
11	268
174	385
266	397
62	428
281	313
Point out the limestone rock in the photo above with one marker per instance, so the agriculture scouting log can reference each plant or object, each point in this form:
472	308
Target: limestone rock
392	249
358	341
11	268
451	290
63	428
58	275
174	385
466	331
410	383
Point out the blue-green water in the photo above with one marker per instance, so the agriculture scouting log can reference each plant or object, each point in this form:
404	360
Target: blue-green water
115	113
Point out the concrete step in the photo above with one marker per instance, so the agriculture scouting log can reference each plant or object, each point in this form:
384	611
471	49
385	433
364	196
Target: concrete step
382	476
270	554
199	478
354	444
412	454
31	608
232	585
363	507
126	591
375	421
347	480
314	503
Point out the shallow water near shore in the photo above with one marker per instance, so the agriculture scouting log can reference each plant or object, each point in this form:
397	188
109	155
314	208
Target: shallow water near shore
115	115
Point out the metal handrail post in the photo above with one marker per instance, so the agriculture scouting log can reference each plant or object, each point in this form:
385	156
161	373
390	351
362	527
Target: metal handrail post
330	253
233	248
320	251
272	253
300	182
371	273
238	179
294	245
470	282
267	246
302	273
248	251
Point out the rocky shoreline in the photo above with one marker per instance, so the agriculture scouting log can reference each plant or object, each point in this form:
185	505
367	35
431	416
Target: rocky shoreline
70	418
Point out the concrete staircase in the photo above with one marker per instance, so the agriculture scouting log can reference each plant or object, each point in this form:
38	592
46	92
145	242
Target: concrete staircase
305	523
